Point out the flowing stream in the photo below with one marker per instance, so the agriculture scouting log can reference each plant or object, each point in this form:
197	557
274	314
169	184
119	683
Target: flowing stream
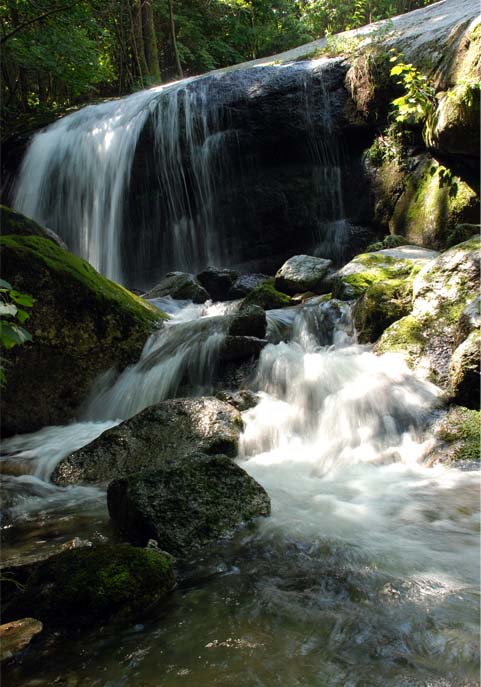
367	572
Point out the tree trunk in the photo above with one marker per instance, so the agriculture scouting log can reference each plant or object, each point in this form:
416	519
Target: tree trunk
138	39
178	65
150	41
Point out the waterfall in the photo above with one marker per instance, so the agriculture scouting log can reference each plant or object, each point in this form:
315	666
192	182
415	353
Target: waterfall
144	184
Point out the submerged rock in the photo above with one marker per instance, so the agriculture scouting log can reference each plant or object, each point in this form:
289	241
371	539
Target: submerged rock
436	326
181	286
187	503
17	635
155	436
81	324
302	273
89	586
217	282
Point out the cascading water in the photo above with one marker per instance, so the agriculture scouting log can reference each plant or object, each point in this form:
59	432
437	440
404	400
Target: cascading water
145	184
365	575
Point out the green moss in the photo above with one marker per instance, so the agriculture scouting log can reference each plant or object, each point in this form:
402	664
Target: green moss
12	222
267	296
87	586
461	429
377	268
405	335
382	304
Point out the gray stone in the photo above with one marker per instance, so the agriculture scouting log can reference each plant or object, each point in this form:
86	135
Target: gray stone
181	286
245	284
302	273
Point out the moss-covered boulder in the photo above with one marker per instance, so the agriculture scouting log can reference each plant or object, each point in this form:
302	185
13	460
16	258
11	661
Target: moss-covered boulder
267	297
187	503
181	286
245	284
380	305
12	222
433	203
436	326
401	263
81	324
90	586
160	433
458	434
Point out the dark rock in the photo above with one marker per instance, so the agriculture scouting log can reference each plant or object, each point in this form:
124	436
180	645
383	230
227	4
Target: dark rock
236	348
159	434
81	323
464	370
250	320
187	503
217	282
244	399
267	297
88	586
245	284
14	223
181	286
302	273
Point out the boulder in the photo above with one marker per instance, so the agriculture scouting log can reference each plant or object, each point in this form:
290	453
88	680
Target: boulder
401	263
429	335
181	286
464	371
13	223
158	434
267	297
250	320
380	305
244	399
245	284
187	503
217	282
236	348
17	635
89	586
458	437
302	273
81	324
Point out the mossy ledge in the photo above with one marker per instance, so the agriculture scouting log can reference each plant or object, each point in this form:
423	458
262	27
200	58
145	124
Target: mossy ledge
81	323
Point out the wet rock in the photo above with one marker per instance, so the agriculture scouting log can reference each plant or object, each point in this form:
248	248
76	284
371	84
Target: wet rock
267	297
245	284
181	286
89	586
81	324
14	223
250	320
186	503
401	263
217	282
302	273
458	437
158	434
380	305
17	635
429	335
464	371
236	348
244	399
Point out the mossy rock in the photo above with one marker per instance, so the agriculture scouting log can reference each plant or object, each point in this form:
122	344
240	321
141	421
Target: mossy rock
382	304
433	203
90	586
459	432
12	222
266	296
465	371
81	323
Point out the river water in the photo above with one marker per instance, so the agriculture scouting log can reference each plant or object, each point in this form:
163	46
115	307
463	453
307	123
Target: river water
367	571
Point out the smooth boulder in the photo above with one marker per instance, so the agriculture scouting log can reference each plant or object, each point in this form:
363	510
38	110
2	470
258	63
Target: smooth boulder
158	434
302	273
187	503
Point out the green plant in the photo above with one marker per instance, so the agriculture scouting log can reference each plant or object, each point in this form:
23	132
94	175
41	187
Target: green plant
418	101
12	317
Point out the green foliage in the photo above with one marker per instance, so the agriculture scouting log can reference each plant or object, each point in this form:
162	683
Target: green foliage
12	317
418	100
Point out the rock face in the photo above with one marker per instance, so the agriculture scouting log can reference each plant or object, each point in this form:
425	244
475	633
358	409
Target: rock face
302	273
401	263
186	504
89	586
157	435
81	324
179	285
217	282
439	323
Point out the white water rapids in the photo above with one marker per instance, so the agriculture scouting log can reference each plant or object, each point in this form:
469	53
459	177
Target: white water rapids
367	571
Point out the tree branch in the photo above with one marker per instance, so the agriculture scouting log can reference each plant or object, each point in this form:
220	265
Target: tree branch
41	17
